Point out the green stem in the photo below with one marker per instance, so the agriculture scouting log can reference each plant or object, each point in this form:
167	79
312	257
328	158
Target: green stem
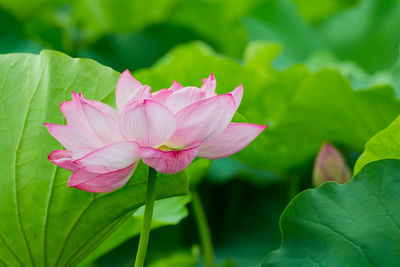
148	214
204	231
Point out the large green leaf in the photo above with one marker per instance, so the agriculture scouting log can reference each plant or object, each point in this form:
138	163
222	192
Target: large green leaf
356	224
384	145
280	21
301	109
325	8
22	9
49	224
224	31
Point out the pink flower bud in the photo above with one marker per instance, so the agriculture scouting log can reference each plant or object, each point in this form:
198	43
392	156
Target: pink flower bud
330	166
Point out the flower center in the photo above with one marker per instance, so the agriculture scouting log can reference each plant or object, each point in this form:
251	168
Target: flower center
166	148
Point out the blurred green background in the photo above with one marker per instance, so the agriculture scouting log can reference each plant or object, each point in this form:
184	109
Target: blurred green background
309	69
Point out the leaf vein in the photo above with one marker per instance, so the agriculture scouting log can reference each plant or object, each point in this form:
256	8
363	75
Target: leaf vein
18	212
70	232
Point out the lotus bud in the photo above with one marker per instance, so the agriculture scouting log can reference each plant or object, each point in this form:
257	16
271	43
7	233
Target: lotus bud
330	166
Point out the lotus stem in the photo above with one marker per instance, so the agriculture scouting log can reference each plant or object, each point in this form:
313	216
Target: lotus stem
204	231
148	215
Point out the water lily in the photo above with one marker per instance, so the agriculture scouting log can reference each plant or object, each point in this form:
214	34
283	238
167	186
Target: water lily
167	129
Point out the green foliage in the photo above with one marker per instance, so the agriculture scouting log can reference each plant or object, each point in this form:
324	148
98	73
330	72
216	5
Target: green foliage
119	16
363	33
356	224
197	170
279	21
47	222
12	38
181	258
223	30
226	169
357	76
22	9
325	8
384	145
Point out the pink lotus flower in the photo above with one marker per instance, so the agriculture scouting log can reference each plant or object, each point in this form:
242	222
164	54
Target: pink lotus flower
166	129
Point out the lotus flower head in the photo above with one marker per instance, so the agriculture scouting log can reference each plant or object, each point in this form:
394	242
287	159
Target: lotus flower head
167	129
